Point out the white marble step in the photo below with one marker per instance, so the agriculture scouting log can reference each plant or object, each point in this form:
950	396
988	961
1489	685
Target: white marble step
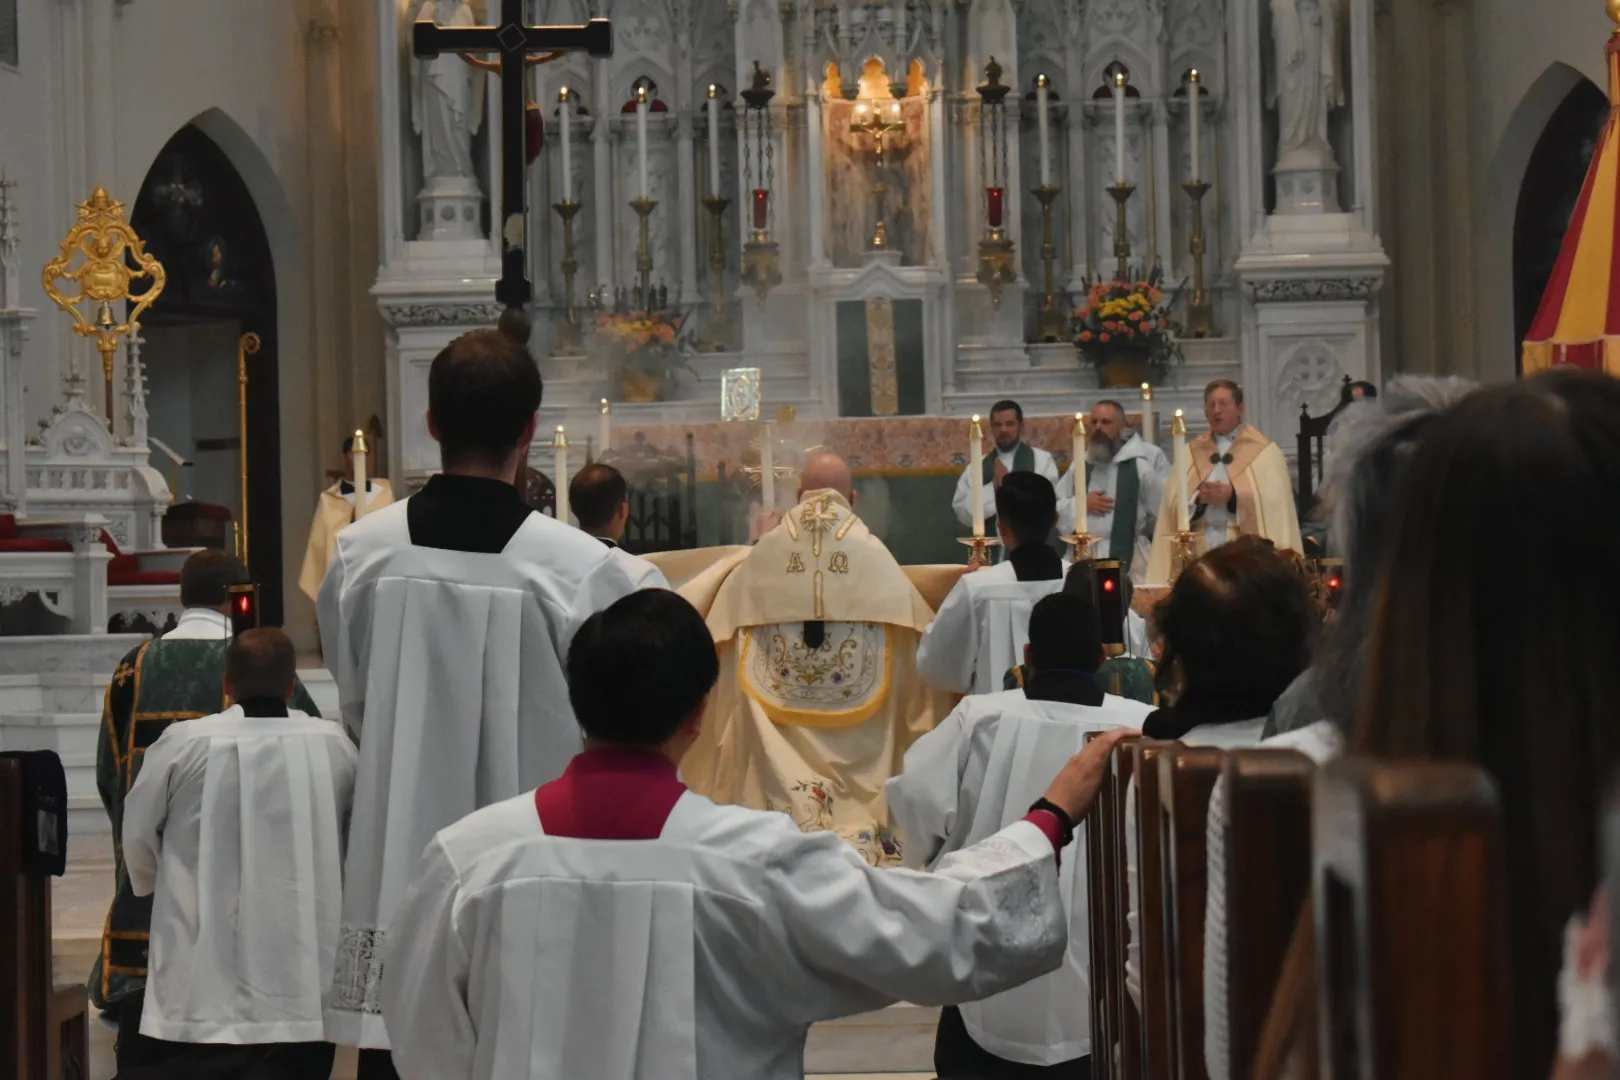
54	692
32	655
72	735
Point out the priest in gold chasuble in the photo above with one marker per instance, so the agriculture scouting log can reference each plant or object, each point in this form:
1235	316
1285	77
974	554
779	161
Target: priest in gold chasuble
819	696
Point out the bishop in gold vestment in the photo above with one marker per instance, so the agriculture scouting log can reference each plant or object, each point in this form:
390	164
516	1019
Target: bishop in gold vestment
819	697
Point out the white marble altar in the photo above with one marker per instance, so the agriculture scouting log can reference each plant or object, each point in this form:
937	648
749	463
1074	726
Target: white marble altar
1294	283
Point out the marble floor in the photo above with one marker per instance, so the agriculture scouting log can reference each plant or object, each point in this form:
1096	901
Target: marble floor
890	1044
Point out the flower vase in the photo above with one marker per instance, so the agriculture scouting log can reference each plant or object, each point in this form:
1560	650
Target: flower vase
640	386
1121	367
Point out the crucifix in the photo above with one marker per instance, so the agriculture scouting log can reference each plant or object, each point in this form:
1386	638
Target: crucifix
516	42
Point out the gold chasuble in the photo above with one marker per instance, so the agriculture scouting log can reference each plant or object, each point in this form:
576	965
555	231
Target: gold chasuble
819	696
332	514
1265	497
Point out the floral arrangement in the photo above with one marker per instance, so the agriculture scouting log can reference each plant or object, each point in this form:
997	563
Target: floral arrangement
1127	323
645	349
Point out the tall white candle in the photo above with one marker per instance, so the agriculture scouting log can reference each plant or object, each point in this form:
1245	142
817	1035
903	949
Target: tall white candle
1149	433
564	121
1194	108
361	484
767	467
714	139
641	138
1077	465
1179	464
604	429
560	445
976	478
1042	110
1119	128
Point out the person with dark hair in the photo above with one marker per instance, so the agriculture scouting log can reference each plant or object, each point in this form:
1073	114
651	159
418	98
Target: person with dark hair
600	500
1315	714
650	932
1012	455
233	830
981	627
178	676
819	697
445	620
1236	630
1237	485
338	506
974	774
1124	485
1514	675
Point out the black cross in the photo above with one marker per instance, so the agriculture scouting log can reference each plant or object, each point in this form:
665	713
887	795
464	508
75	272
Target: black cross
515	42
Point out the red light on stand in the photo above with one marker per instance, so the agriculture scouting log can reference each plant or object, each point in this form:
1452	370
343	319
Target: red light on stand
995	195
762	203
1108	584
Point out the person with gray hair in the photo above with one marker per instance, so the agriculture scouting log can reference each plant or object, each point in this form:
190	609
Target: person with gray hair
1375	440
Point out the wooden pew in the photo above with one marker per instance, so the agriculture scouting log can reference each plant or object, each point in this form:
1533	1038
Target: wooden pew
1157	1024
1409	884
1102	875
43	1032
1186	777
1267	856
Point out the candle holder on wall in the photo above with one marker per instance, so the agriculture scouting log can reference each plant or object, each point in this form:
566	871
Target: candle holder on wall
998	264
761	260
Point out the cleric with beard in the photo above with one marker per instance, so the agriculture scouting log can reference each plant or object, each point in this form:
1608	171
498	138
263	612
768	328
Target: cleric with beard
1125	479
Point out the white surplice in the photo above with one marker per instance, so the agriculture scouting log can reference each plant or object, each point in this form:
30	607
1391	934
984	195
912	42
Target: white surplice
981	630
962	501
236	822
449	667
1239	735
969	778
1153	472
643	573
703	955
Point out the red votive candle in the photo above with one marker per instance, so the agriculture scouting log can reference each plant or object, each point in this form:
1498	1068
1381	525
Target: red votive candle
995	206
762	204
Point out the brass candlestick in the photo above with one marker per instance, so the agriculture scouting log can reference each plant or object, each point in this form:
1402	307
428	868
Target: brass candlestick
1081	542
247	346
997	263
1184	554
643	206
1121	194
1200	313
719	325
568	335
981	545
1054	324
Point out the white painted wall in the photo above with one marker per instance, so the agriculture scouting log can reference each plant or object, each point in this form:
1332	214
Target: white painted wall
103	85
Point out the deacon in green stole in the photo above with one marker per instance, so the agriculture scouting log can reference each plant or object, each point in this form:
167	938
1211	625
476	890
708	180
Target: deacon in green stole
1009	455
156	684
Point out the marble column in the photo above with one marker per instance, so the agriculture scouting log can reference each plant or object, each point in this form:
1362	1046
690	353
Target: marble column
816	178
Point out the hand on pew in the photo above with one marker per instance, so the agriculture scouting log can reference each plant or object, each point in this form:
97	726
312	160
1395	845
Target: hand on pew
1076	787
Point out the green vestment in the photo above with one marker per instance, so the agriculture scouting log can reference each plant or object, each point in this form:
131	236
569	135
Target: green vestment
155	685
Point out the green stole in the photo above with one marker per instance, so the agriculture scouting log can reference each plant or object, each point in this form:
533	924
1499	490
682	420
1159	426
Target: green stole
1023	461
1127	494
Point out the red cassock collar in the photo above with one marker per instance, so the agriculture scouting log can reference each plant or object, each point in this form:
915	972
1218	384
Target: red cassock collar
610	794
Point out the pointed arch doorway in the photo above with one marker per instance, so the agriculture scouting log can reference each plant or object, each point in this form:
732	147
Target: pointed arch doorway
197	216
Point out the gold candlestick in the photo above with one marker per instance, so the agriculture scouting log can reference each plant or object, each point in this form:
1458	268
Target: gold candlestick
1184	554
247	346
1054	323
568	334
1200	313
1081	542
719	325
1121	194
643	206
981	545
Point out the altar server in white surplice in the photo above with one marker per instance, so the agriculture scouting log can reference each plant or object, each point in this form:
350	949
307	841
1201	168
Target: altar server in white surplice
819	695
445	620
615	926
983	625
600	500
975	774
235	828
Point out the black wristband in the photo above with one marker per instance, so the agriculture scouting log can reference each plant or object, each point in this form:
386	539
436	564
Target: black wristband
1058	812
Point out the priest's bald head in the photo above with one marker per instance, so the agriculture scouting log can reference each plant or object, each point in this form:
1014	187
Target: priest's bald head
483	395
261	664
827	471
640	672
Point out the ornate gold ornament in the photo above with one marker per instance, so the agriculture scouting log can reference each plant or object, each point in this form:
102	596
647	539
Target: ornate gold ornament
108	244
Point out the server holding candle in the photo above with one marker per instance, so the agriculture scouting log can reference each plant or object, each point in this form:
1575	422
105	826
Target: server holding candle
340	505
976	488
1235	483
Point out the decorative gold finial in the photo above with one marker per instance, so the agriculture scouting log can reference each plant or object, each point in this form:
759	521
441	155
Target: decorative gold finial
1613	8
107	244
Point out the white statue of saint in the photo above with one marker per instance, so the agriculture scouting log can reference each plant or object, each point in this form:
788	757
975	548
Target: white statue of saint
1307	81
446	105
